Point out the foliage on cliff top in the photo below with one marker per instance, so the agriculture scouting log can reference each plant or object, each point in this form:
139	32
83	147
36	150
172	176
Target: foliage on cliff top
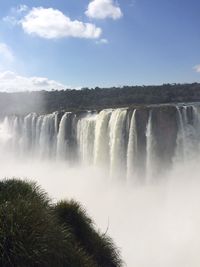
96	98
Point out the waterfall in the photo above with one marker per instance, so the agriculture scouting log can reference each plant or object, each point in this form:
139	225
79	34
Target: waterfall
132	149
188	138
27	134
5	135
47	137
112	139
38	131
101	142
196	126
85	137
150	151
62	142
16	134
117	143
181	137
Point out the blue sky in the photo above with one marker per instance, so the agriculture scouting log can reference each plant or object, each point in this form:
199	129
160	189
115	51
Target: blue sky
126	42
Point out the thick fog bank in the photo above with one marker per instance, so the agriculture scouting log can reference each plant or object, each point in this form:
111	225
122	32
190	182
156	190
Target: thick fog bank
154	225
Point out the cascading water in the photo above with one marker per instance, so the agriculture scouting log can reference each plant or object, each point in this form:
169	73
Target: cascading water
101	142
117	143
62	141
132	150
85	138
150	150
47	138
188	138
118	140
181	138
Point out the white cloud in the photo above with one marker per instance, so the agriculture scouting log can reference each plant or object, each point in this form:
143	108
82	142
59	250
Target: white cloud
51	23
197	68
6	53
101	9
12	82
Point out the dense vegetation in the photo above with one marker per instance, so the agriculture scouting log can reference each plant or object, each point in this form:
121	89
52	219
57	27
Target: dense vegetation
97	98
36	233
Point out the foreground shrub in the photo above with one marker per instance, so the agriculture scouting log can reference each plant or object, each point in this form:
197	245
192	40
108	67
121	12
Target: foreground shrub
99	246
35	233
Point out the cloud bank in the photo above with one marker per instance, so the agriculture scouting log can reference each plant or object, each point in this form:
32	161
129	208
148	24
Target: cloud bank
12	82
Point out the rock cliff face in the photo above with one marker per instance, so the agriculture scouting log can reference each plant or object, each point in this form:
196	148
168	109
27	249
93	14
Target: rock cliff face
164	131
136	143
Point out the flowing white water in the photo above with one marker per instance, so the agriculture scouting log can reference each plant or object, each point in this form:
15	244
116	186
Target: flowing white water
132	150
101	139
150	151
181	138
85	138
117	143
47	138
188	138
101	142
62	145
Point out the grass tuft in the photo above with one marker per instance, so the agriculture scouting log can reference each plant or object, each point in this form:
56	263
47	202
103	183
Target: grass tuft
35	233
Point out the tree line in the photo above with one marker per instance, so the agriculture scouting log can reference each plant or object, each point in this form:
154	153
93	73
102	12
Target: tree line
96	98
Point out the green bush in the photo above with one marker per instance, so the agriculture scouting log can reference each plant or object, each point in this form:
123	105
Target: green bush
34	233
95	244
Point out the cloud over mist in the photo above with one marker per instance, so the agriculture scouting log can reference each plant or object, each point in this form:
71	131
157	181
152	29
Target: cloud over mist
12	82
